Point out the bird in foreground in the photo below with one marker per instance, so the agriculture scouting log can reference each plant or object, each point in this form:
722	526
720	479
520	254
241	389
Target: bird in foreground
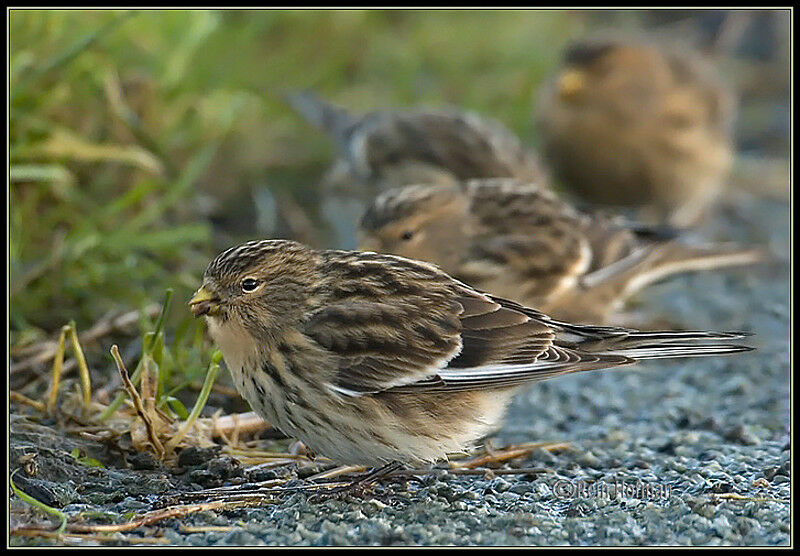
628	123
383	149
522	242
372	359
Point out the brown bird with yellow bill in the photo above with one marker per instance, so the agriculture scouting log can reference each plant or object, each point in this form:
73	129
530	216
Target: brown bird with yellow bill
370	358
522	242
628	123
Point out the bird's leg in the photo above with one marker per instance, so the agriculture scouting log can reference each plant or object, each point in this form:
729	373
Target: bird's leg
364	481
379	473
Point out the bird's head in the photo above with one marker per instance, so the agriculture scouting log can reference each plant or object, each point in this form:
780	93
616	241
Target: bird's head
423	222
593	68
259	285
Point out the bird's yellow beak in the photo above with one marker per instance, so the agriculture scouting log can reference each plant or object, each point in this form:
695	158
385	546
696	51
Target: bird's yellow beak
571	83
204	303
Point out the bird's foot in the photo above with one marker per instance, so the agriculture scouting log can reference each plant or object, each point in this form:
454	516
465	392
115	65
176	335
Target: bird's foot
361	486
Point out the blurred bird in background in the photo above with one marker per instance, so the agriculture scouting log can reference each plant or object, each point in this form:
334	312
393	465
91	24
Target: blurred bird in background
522	242
628	123
383	149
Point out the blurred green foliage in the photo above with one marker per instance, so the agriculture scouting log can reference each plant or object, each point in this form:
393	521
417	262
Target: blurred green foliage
121	121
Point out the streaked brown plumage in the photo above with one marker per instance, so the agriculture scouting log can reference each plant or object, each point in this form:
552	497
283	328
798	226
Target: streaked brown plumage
371	358
522	242
627	123
383	149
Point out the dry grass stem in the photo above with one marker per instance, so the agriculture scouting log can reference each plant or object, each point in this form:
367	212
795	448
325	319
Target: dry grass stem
172	513
211	376
83	537
244	423
58	369
734	496
505	454
338	472
23	399
186	529
42	352
83	369
137	402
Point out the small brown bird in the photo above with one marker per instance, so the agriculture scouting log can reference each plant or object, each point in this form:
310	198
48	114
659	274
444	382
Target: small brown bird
383	149
627	123
522	242
370	358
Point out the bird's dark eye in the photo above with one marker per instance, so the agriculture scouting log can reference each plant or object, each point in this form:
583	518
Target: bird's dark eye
408	234
249	285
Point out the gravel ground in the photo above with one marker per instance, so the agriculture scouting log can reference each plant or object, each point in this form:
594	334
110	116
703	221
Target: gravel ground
701	445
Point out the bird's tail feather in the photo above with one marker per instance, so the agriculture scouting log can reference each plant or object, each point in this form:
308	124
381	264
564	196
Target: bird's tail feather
651	264
663	344
637	338
321	113
608	342
680	350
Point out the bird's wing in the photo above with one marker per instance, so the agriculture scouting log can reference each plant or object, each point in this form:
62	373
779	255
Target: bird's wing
524	239
505	205
573	348
433	334
522	226
499	354
536	266
381	345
